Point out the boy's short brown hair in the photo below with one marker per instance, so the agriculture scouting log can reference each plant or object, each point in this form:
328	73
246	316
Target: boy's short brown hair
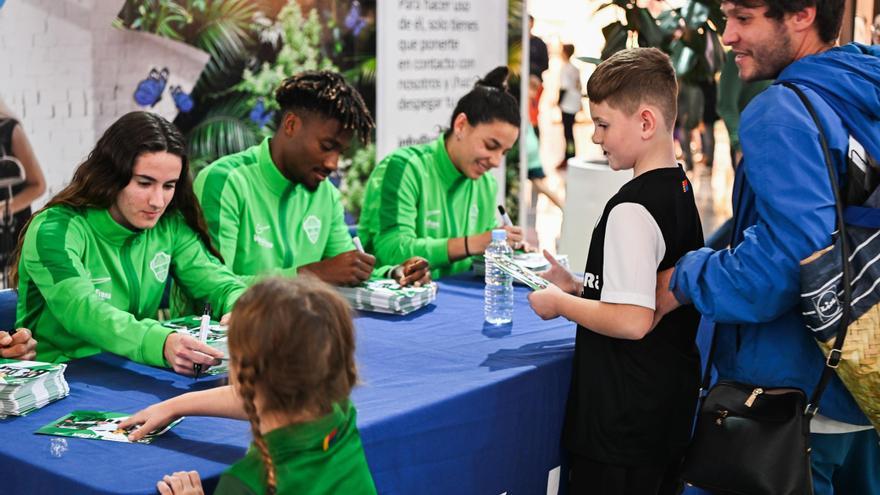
635	76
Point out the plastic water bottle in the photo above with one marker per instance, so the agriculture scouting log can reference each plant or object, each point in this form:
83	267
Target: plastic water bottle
498	298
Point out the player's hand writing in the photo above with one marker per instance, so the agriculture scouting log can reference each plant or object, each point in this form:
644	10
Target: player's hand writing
182	352
415	271
349	268
514	236
19	346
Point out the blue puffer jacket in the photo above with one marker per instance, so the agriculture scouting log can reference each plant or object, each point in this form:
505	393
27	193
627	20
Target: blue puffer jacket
783	212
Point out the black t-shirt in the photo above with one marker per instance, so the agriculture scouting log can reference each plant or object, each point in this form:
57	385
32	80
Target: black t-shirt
632	402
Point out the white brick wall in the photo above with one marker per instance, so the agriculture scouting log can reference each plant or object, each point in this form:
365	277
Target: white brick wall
67	74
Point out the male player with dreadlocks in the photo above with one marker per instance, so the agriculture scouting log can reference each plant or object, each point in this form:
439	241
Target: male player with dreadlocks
270	210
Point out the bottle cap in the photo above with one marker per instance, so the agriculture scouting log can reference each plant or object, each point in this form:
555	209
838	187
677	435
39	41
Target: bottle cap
499	235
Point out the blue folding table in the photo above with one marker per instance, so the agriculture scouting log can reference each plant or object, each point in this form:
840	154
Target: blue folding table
446	405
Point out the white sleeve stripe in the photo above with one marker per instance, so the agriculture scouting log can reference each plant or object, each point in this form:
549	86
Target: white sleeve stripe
631	298
633	249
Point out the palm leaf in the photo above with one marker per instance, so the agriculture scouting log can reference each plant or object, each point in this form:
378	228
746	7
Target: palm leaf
223	30
225	129
364	72
615	39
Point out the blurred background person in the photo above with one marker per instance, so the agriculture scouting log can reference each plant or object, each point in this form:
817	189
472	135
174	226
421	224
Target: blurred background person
539	61
16	149
569	99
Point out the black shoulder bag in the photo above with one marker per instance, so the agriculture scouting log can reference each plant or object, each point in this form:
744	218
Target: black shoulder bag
755	440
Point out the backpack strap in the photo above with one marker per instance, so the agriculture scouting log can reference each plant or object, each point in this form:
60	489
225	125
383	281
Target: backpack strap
834	355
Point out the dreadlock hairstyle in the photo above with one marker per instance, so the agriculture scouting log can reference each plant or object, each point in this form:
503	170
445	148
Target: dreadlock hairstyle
292	342
108	169
326	93
488	101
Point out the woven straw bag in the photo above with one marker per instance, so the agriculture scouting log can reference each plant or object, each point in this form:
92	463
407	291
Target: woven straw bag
835	293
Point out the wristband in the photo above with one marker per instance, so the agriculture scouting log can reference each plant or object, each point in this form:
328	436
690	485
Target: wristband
467	251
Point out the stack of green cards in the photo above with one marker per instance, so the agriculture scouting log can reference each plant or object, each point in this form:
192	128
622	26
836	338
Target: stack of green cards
386	296
97	425
26	386
216	338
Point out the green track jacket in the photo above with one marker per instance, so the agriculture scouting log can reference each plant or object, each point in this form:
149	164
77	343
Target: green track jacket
88	284
264	224
321	457
416	200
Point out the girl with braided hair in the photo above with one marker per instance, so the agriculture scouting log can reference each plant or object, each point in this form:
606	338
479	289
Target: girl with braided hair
435	200
291	380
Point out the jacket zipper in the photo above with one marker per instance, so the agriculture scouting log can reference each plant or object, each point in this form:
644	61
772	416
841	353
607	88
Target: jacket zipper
134	286
282	214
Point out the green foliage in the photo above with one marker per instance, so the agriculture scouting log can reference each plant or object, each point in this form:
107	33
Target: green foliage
163	17
356	170
224	130
254	45
224	29
300	38
681	32
684	34
364	72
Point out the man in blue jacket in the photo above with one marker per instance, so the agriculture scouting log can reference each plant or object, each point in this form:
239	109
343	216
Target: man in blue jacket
784	211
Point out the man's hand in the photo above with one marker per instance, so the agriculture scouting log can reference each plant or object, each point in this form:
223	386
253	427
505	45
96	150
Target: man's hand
665	301
19	346
544	302
182	352
181	483
151	419
559	276
349	268
415	271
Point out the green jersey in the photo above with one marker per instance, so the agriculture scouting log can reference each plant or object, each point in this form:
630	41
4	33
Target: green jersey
317	458
264	224
88	284
416	200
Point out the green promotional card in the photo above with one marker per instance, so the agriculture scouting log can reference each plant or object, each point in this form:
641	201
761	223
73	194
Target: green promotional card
97	425
518	272
14	372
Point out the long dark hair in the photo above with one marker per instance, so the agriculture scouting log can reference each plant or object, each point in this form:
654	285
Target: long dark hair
302	358
488	101
108	169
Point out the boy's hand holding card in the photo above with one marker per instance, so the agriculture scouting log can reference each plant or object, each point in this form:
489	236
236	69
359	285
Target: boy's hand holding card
559	276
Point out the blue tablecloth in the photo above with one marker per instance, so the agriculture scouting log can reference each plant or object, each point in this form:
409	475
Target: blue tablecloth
446	405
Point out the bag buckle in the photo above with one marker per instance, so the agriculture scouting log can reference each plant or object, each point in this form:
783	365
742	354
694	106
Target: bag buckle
811	410
833	359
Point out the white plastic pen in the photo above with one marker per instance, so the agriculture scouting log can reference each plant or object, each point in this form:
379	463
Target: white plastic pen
204	326
505	217
357	244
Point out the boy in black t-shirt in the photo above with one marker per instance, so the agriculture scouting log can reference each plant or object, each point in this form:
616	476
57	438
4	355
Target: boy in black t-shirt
634	385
